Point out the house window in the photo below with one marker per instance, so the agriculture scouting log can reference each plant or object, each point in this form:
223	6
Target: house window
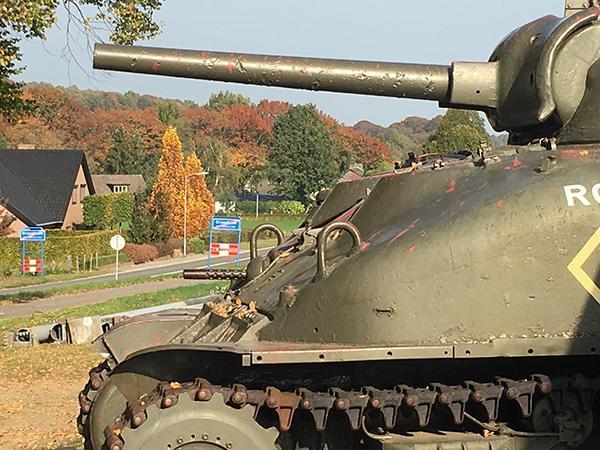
81	192
120	188
74	196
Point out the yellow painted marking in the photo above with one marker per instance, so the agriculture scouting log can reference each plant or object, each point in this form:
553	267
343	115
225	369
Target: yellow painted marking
576	266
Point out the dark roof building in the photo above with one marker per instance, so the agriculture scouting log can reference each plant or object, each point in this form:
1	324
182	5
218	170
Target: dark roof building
106	184
44	187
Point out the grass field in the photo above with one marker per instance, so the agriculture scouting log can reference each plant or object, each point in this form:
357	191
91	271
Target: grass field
286	224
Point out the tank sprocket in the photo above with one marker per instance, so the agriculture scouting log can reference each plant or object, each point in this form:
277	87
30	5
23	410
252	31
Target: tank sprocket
194	425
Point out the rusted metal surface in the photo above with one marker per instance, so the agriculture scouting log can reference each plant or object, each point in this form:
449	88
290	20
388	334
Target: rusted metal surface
424	81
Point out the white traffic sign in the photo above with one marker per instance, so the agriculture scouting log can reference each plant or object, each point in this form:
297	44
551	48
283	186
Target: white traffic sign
117	242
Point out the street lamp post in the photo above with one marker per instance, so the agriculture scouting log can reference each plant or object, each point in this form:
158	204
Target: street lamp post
185	185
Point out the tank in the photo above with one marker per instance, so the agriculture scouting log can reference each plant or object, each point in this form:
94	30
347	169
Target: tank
441	306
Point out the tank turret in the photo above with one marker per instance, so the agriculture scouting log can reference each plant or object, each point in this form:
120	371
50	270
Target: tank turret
537	84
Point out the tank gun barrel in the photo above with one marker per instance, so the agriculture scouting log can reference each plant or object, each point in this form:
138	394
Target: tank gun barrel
541	82
418	81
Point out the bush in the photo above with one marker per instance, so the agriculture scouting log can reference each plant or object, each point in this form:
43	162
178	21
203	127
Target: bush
291	207
167	248
197	245
140	253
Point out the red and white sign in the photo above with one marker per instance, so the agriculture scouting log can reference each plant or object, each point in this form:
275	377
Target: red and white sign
217	249
32	265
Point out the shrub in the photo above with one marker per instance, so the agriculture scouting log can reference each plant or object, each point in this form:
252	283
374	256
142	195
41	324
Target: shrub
140	253
167	248
197	245
291	207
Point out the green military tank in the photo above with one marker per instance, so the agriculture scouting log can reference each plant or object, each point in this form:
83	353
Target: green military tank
442	306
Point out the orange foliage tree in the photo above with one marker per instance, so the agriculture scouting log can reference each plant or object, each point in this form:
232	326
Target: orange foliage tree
201	205
169	181
170	184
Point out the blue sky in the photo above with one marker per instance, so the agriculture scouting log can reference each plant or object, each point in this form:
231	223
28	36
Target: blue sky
420	31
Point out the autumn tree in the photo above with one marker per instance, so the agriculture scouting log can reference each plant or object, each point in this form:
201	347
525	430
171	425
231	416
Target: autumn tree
170	184
301	160
126	21
458	130
200	202
169	181
31	130
239	127
357	146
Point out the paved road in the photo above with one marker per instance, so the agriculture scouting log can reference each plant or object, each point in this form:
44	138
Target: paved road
156	268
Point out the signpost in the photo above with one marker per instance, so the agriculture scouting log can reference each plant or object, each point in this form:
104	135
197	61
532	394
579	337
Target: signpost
117	243
35	265
224	224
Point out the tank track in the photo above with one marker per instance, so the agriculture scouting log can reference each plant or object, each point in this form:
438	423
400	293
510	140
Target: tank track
97	377
502	399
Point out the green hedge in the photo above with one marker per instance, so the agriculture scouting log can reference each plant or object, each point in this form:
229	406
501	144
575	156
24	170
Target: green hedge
285	207
108	211
57	248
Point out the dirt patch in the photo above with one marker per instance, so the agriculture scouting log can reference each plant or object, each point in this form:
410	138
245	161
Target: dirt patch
38	395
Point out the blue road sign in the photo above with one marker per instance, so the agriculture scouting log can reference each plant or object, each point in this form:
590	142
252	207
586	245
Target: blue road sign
33	234
218	224
226	224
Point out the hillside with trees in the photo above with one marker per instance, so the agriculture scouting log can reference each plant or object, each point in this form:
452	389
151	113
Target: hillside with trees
408	135
121	134
240	144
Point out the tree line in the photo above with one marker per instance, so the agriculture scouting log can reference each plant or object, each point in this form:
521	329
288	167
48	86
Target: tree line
298	148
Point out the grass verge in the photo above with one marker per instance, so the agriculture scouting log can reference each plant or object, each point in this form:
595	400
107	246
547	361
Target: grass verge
114	306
